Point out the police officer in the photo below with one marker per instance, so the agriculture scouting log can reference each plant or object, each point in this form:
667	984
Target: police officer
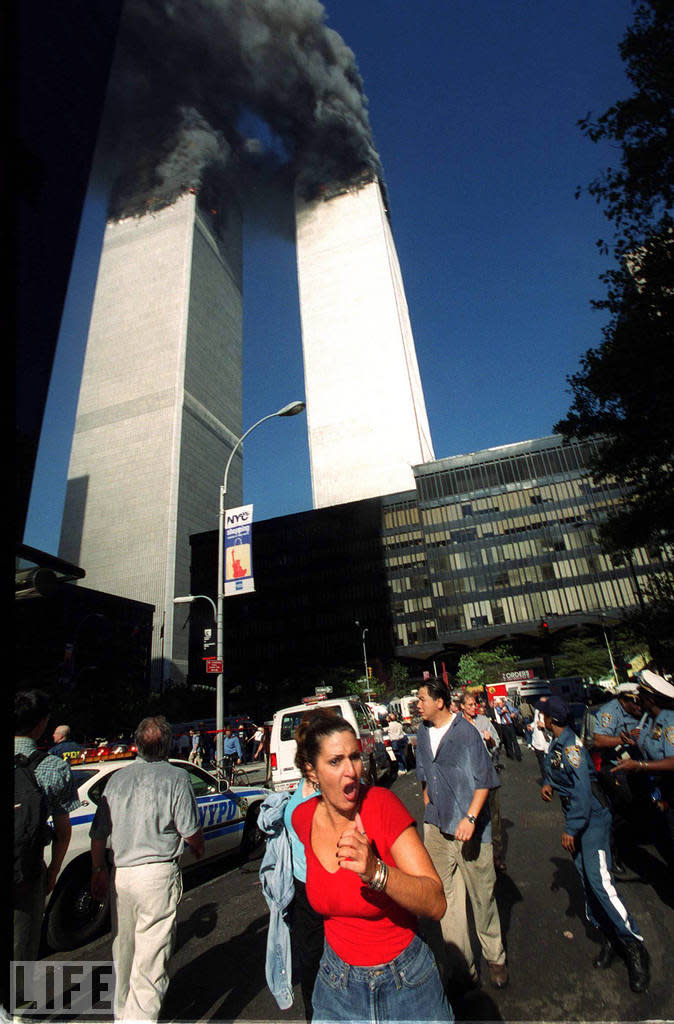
655	760
568	769
616	720
617	724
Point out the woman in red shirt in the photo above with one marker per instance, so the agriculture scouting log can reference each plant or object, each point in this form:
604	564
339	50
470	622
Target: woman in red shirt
369	875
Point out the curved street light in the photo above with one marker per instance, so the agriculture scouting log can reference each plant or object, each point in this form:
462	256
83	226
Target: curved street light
367	677
292	409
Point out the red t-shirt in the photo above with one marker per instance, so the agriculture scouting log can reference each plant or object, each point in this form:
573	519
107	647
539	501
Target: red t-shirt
362	926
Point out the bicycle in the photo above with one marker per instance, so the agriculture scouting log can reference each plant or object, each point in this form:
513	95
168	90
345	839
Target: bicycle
227	771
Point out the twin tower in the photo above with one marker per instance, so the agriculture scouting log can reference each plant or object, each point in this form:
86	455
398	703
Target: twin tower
159	407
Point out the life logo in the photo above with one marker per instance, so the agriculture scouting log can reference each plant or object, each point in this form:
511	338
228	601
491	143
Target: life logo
216	811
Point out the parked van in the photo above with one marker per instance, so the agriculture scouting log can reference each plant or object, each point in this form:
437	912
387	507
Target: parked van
282	748
530	691
405	708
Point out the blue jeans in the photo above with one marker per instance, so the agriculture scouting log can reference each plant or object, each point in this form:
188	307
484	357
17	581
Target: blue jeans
400	751
406	989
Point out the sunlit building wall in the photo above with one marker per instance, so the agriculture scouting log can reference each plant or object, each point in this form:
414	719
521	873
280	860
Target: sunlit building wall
495	541
159	410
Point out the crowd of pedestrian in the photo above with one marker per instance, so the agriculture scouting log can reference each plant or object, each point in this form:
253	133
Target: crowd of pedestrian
345	873
458	746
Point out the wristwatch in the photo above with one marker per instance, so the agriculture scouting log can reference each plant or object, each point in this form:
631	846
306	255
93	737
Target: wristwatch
471	818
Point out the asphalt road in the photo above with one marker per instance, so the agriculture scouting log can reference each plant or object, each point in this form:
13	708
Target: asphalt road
218	967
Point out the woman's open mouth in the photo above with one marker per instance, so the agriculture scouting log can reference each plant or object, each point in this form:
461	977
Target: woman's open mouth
351	791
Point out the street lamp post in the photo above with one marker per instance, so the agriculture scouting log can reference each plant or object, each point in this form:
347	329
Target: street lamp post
367	677
292	409
189	598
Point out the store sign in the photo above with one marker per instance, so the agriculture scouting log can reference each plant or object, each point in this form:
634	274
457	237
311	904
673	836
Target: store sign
521	676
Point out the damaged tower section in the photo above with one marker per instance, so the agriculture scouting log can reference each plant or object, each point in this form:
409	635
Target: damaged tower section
159	410
365	406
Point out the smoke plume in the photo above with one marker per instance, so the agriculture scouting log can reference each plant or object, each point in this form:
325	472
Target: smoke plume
190	76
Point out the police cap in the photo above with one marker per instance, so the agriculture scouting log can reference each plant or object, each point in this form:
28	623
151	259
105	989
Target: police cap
651	682
556	709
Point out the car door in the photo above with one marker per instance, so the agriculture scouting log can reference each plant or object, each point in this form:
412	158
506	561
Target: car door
221	815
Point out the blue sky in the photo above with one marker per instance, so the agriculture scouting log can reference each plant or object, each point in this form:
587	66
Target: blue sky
474	109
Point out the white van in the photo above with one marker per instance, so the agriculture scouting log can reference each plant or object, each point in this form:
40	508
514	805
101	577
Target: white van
286	775
405	708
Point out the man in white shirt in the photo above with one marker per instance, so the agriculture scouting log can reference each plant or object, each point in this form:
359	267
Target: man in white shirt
396	735
540	739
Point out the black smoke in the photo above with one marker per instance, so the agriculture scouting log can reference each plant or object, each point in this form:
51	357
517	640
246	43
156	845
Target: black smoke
188	75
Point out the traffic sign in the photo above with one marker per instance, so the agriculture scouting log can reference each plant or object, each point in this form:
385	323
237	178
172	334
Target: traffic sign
214	665
323	689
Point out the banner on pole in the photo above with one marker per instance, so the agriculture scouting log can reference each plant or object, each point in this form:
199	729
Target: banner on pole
239	551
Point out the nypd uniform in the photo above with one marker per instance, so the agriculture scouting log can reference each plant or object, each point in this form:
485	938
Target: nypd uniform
655	743
569	770
612	719
657	738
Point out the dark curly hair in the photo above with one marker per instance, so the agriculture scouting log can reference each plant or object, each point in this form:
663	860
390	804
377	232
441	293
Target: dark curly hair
312	730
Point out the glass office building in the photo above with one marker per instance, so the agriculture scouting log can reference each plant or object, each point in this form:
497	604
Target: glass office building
482	550
493	542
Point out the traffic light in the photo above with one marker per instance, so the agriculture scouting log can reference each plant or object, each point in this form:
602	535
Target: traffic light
544	628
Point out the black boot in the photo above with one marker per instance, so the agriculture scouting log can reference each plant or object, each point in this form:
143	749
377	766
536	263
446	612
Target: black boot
637	960
605	955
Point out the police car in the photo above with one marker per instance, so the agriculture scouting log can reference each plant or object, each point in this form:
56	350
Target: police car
228	816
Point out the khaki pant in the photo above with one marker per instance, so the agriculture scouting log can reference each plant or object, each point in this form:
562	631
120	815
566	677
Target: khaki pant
144	905
466	869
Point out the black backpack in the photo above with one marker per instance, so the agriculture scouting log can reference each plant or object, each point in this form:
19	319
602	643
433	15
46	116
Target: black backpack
31	832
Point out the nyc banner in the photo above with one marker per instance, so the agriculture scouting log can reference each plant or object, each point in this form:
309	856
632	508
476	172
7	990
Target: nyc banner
239	550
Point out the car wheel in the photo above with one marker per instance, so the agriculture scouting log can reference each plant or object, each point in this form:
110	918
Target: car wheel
253	837
74	917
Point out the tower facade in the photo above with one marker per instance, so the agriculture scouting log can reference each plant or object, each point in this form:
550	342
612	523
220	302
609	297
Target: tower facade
159	410
366	412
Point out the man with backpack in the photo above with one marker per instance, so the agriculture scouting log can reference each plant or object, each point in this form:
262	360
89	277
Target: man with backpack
43	786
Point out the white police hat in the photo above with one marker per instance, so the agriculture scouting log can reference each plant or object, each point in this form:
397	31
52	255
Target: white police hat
653	683
631	687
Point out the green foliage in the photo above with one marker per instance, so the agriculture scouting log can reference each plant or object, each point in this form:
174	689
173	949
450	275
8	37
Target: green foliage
624	386
640	188
582	656
485	666
586	654
653	622
399	675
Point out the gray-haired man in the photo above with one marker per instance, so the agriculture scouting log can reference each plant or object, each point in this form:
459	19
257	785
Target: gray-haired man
148	811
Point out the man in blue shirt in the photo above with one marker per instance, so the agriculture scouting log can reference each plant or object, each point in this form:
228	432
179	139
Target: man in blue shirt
616	720
654	762
505	715
456	774
615	731
586	836
230	745
63	745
